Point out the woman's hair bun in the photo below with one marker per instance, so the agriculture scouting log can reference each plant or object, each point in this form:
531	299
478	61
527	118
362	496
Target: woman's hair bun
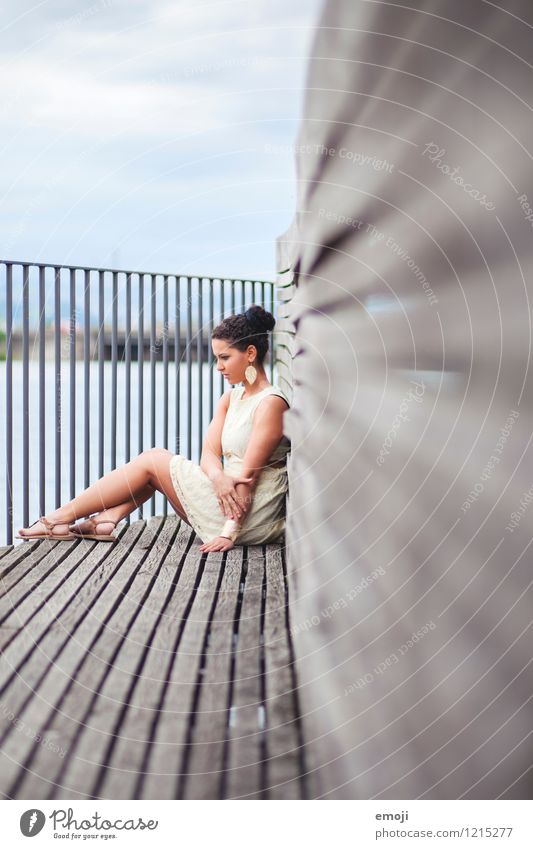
259	319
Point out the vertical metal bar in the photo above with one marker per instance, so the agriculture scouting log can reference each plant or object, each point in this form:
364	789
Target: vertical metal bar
165	374
57	385
101	355
72	341
42	390
200	363
114	333
189	367
232	290
272	308
165	363
9	404
210	350
222	316
177	364
263	296
127	377
25	396
86	375
127	420
153	350
140	364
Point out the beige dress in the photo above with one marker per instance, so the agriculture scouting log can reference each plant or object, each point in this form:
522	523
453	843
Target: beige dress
265	522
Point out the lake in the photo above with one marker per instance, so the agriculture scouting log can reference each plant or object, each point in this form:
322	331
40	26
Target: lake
177	439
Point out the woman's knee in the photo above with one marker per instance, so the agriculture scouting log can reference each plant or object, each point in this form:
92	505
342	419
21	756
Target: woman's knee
156	462
152	451
150	457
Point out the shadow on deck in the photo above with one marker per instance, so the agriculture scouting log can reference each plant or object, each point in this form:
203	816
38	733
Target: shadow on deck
144	670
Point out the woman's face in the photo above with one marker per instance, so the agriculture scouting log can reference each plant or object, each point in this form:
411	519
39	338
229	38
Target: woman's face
230	361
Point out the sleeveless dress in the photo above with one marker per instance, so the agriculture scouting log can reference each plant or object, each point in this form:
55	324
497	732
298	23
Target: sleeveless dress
265	522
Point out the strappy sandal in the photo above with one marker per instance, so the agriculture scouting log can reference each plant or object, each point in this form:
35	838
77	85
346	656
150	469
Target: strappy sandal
99	537
46	534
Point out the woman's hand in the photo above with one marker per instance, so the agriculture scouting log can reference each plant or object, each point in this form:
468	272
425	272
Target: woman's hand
217	544
224	486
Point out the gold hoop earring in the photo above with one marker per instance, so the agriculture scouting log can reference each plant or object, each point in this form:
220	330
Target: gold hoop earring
250	373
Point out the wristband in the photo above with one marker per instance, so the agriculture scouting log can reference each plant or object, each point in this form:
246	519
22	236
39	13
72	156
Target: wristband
230	530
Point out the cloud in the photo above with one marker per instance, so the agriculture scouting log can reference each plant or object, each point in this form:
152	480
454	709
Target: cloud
121	112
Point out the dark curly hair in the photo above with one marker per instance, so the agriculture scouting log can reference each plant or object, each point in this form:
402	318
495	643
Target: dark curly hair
248	328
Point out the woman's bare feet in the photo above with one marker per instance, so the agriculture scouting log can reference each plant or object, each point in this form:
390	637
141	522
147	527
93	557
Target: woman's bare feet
60	529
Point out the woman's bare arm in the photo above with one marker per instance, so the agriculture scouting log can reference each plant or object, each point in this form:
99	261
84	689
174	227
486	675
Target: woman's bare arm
210	461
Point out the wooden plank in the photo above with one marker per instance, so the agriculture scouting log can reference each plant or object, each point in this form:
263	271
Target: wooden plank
283	740
50	673
59	564
42	593
165	762
245	776
20	561
284	369
283	355
285	382
284	302
287	340
284	323
170	596
102	686
118	717
284	284
208	740
286	294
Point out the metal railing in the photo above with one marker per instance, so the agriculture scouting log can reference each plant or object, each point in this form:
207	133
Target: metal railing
85	327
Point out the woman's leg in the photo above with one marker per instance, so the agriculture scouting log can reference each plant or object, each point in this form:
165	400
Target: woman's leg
113	514
122	485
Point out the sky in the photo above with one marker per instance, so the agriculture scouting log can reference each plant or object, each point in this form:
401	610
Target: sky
152	135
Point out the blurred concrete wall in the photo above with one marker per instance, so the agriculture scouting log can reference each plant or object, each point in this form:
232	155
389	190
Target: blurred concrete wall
407	326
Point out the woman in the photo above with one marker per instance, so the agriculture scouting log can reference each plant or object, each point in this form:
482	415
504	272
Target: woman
242	501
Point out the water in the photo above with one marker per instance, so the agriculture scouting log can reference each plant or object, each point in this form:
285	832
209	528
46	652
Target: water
177	438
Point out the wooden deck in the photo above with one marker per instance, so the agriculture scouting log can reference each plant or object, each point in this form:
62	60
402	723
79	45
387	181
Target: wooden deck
144	670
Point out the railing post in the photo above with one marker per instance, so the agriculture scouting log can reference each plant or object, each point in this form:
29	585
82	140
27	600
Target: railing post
86	375
42	391
101	357
200	364
189	367
140	372
57	382
165	372
177	359
127	378
209	349
25	394
72	352
153	349
114	329
9	404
